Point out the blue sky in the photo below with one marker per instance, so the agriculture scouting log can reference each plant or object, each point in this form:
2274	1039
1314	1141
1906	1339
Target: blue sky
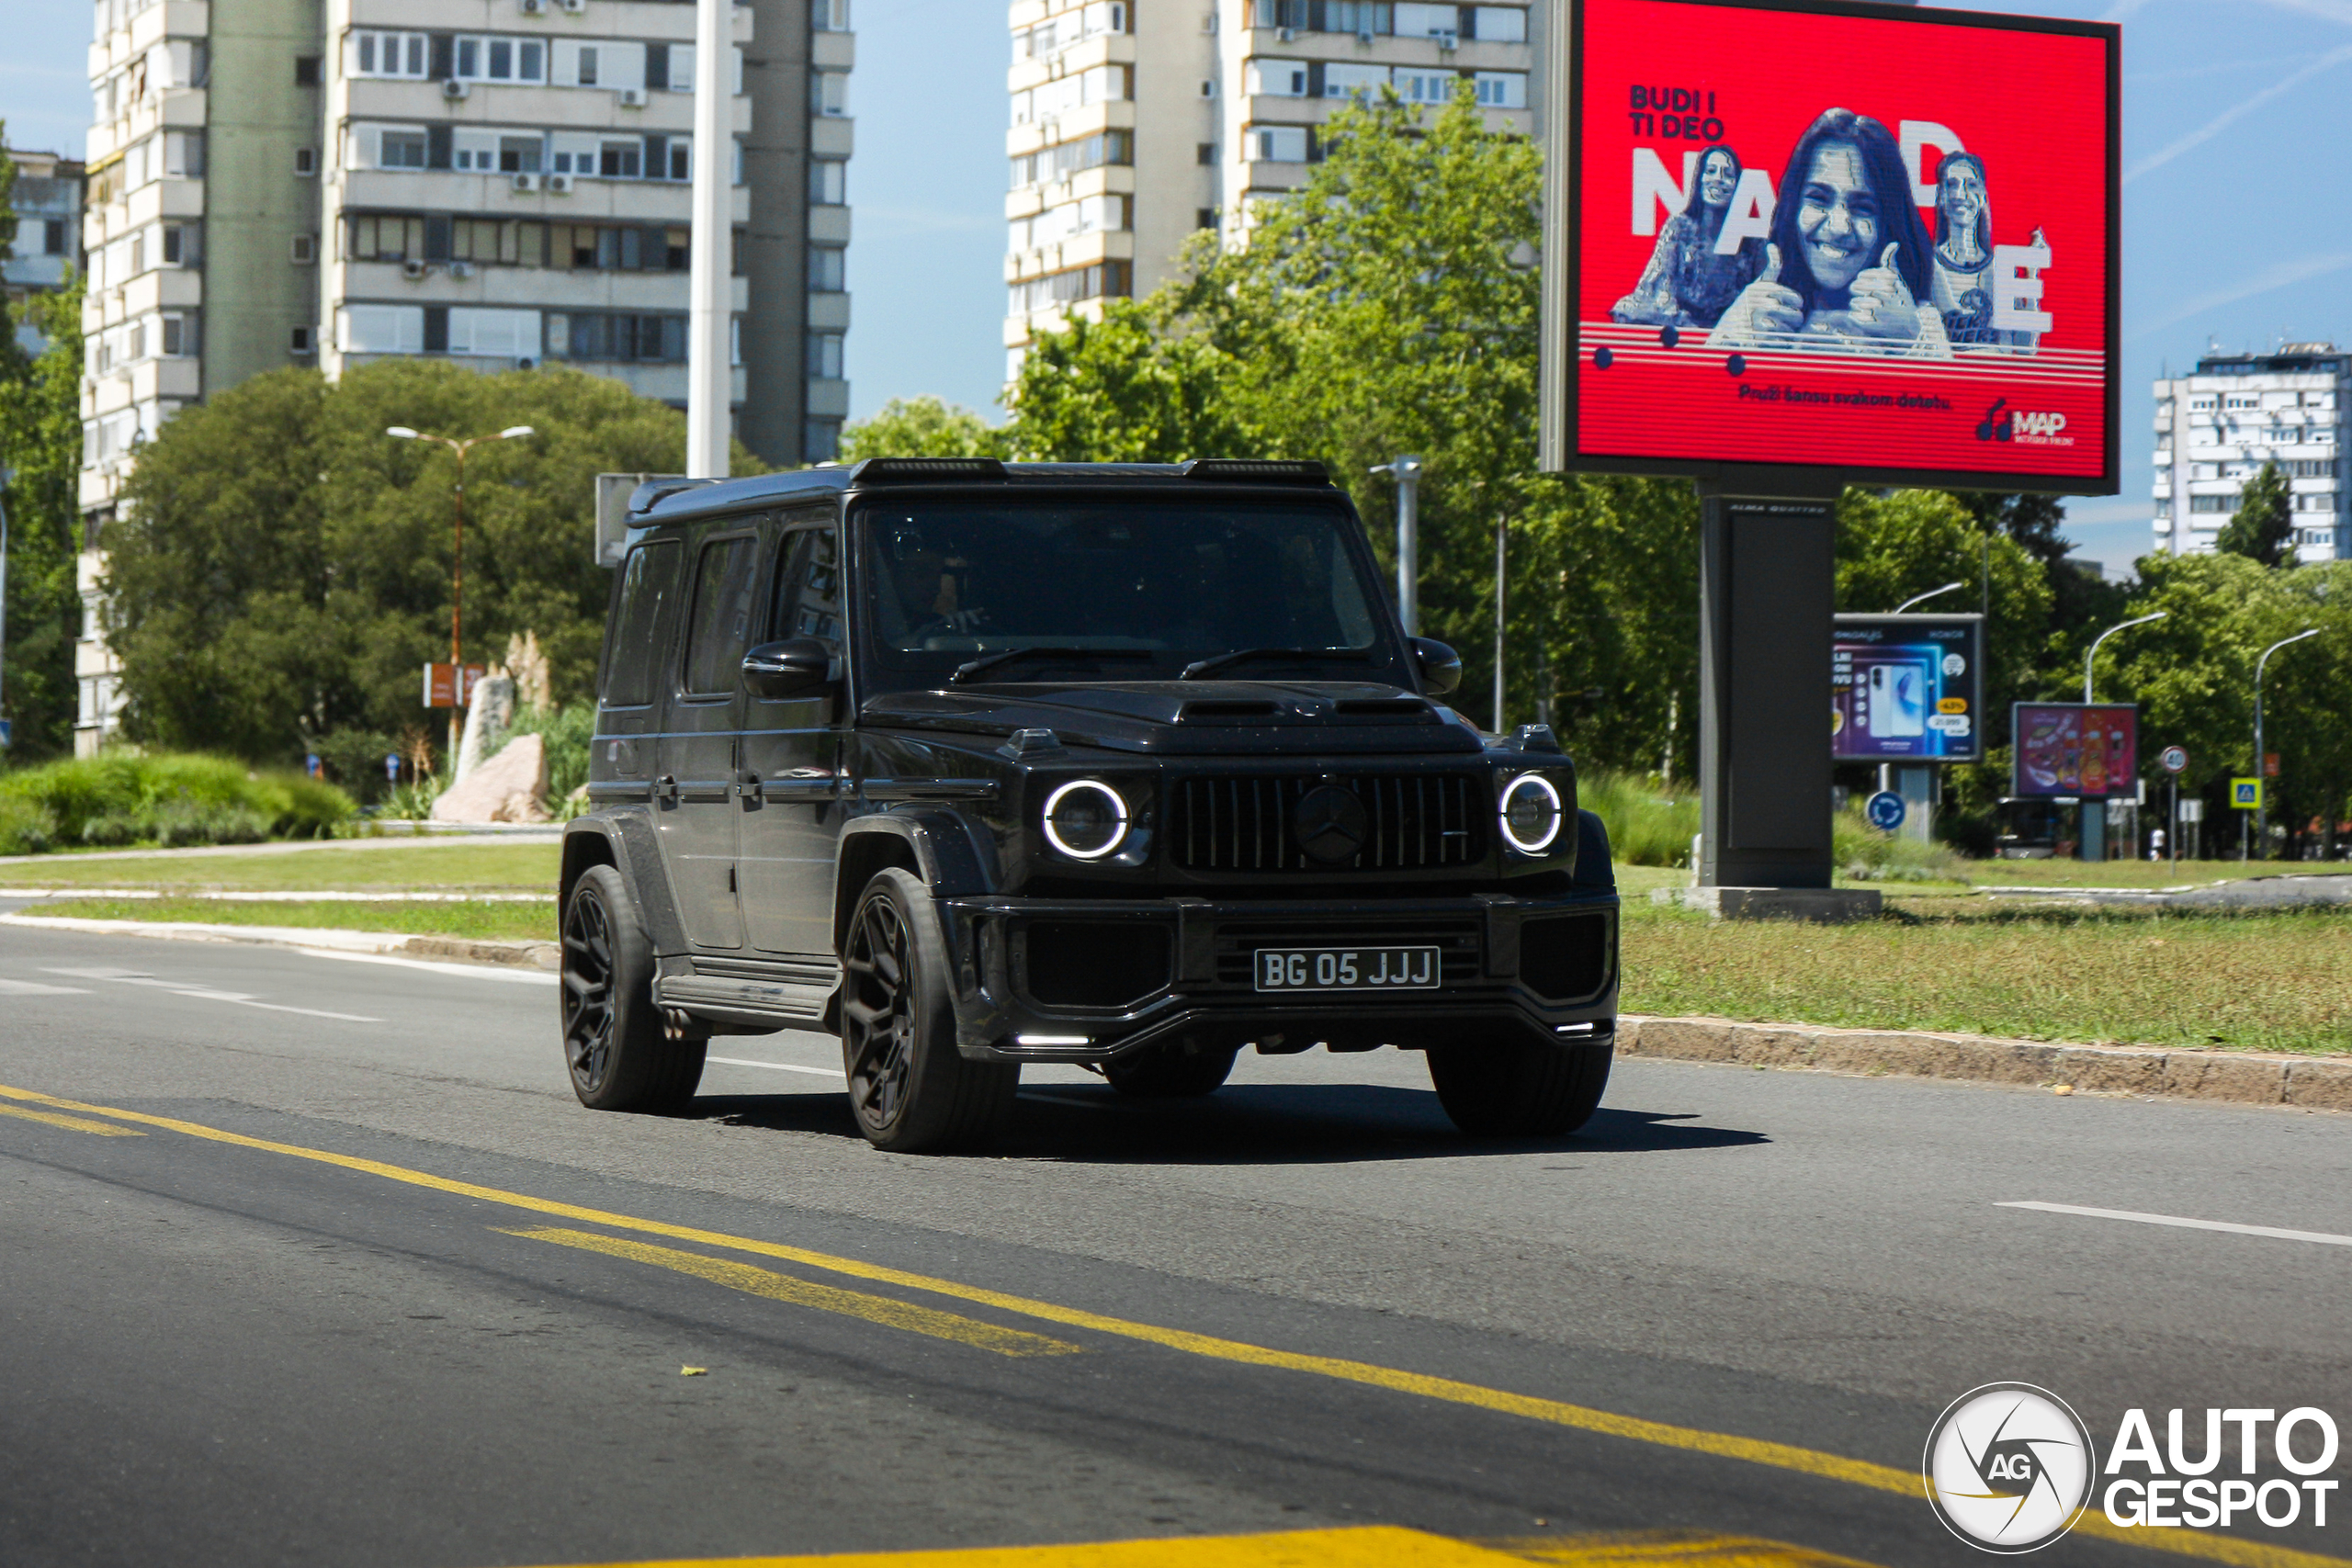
2238	209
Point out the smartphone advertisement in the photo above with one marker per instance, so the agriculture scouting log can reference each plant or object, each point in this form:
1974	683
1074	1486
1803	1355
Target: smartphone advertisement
1907	688
1875	239
2075	750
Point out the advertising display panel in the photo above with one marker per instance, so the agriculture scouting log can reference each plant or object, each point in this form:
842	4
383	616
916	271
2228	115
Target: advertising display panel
1864	238
2075	750
1907	687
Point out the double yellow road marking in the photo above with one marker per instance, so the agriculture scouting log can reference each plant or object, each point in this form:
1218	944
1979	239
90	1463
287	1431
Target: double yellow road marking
71	1124
1787	1457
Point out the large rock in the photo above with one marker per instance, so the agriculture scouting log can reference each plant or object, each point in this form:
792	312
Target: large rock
510	787
487	721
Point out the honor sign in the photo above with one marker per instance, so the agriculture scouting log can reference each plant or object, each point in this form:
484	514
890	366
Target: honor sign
1865	238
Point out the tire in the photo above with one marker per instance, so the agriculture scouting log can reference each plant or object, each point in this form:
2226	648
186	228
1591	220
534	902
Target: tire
1505	1090
620	1055
909	1089
1167	1073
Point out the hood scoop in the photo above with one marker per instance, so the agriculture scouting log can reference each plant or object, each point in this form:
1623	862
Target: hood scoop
1228	710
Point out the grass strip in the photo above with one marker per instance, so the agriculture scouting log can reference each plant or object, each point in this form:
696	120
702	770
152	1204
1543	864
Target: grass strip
359	864
472	920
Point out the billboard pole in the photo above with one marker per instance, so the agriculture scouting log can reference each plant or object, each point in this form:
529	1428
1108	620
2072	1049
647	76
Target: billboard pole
708	376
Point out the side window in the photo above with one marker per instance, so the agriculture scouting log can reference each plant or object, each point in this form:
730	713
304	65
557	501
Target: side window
809	587
724	593
649	583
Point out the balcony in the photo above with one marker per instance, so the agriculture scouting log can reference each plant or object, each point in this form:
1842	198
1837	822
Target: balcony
832	51
827	312
832	136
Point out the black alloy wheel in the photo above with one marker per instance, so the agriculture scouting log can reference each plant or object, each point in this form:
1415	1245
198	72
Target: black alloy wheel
911	1090
1506	1089
620	1055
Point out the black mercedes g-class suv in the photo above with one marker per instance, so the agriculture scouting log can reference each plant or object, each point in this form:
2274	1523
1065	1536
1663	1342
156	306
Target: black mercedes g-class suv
1129	765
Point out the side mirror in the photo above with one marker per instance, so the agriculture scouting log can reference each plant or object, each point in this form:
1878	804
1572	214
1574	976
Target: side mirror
796	667
1440	667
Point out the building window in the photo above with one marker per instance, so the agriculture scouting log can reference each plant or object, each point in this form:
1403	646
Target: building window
400	149
828	182
183	244
182	339
596	335
829	15
587	65
299	341
2212	503
828	269
1278	78
1104	148
184	154
1277	144
621	160
2164	506
53	237
1495	24
389	54
305	250
1204	217
824	356
306	70
1501	89
821	439
1104	280
829	93
306	161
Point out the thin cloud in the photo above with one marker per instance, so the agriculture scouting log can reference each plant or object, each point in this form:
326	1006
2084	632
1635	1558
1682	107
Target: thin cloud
2236	112
2338	11
2185	72
2279	275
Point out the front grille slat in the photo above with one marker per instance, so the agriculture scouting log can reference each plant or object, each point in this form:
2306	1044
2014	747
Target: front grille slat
1247	823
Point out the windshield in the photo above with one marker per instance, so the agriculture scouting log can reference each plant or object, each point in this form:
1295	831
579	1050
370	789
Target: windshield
1116	591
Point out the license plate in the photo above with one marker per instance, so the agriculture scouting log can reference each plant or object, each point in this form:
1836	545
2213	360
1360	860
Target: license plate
1347	969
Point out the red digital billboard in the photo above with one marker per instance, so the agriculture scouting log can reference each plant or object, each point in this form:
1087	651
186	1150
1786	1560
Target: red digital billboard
1864	238
2073	750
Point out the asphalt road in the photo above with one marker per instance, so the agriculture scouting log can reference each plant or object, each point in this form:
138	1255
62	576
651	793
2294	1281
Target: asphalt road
324	1264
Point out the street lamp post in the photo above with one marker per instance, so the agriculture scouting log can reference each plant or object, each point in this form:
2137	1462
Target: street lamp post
5	475
458	565
2093	834
1407	470
2261	777
1931	593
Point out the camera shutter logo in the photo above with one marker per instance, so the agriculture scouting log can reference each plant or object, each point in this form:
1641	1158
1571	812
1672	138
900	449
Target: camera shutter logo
2009	1467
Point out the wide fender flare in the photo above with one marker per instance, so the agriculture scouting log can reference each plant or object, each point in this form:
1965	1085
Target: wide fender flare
625	841
956	857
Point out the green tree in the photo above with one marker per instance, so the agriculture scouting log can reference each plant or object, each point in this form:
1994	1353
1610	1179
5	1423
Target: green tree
40	444
1127	389
282	569
2263	529
925	426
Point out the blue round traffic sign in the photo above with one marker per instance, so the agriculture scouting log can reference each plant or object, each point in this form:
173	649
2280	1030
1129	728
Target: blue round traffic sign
1886	810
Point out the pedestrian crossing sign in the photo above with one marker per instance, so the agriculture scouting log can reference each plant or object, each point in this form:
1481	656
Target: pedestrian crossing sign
2245	794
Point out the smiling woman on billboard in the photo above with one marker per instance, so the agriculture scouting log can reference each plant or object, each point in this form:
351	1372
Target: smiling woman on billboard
1690	279
1849	260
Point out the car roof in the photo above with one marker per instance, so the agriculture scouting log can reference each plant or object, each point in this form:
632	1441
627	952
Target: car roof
666	501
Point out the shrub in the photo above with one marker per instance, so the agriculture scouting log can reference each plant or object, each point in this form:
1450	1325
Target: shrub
25	827
565	731
1648	824
122	798
1864	854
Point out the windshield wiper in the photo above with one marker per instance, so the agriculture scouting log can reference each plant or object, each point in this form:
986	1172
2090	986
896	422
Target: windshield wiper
1205	667
966	672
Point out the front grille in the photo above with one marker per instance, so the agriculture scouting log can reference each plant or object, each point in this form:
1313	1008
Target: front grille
1412	821
1456	938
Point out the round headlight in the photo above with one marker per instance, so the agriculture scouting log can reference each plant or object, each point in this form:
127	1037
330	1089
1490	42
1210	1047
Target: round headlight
1085	820
1530	813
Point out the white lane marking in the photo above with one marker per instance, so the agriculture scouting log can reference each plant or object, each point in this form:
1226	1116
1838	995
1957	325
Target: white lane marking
34	988
472	971
2273	1231
778	1067
205	993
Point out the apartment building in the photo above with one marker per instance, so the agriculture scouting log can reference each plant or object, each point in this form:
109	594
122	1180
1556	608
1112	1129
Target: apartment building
45	202
1137	123
502	183
2218	426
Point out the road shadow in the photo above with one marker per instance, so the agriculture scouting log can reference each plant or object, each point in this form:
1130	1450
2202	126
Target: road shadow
1244	1125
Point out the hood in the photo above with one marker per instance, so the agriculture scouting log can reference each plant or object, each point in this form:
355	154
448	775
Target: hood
1191	718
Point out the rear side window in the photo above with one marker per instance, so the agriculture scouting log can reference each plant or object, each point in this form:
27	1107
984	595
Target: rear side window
640	627
724	592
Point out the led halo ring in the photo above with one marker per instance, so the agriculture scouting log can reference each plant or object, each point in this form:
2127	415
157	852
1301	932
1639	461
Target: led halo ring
1118	809
1502	814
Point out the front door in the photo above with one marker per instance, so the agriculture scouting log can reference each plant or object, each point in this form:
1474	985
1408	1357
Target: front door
694	791
792	752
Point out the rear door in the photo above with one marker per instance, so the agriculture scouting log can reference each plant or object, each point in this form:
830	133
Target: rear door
637	672
792	756
694	791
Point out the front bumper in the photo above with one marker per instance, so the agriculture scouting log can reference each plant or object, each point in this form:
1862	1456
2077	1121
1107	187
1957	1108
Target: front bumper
1012	974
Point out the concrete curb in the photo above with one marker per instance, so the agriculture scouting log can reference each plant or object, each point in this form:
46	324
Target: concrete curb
543	955
2317	1083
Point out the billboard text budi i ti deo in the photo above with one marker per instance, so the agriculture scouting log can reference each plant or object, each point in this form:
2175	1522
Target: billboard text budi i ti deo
1852	237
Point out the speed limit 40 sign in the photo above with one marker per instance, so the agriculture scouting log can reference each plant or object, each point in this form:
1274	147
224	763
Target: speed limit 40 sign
2172	759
